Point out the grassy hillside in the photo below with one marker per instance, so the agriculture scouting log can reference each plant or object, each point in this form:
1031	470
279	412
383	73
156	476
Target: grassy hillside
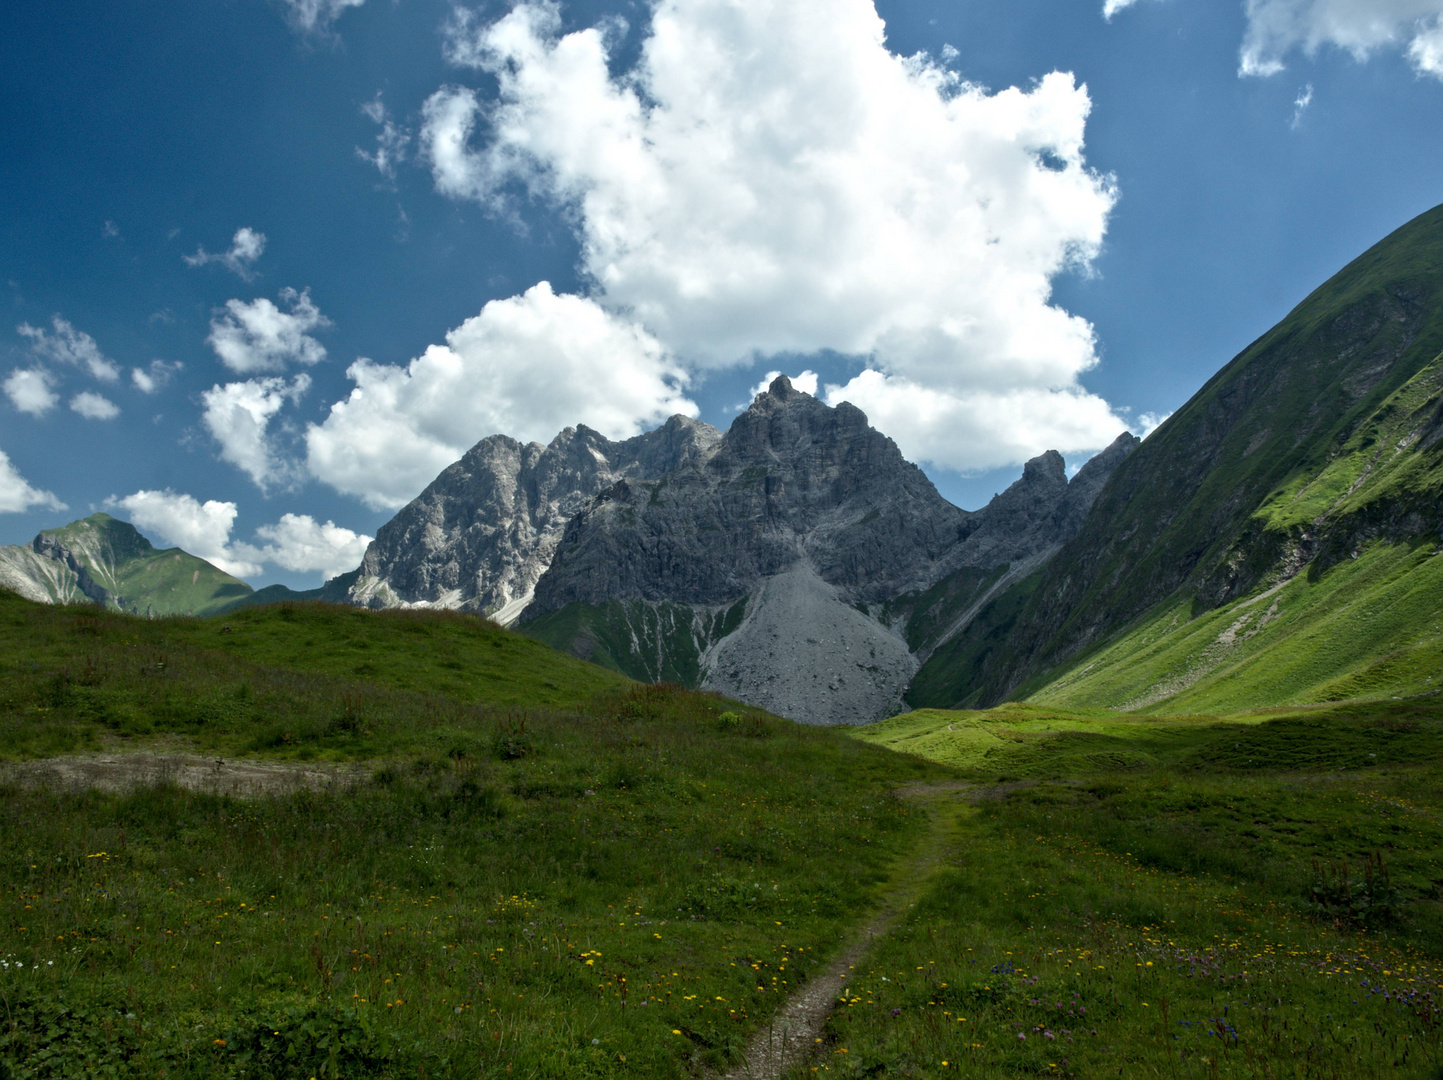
651	642
529	865
1196	896
1325	434
1369	627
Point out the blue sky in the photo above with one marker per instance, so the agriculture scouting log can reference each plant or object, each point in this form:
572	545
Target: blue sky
240	199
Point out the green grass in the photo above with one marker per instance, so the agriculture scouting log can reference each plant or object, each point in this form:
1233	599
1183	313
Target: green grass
504	883
1366	627
497	895
1173	897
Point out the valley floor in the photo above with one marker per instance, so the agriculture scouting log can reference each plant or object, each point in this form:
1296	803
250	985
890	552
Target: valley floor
430	879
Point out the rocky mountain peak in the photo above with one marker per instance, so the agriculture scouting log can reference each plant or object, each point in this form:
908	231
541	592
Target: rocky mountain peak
482	533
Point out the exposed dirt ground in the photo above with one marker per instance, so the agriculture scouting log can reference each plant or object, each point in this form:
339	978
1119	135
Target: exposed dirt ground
122	772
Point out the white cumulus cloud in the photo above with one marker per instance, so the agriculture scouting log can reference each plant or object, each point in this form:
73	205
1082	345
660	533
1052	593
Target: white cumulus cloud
17	496
1361	27
203	529
771	178
31	390
70	346
298	542
245	248
259	336
238	417
94	406
316	16
993	426
526	366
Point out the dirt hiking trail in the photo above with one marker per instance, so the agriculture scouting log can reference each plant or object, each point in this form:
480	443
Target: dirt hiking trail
793	1034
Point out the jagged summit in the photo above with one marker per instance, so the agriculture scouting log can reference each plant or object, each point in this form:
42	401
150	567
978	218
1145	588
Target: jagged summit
483	531
781	567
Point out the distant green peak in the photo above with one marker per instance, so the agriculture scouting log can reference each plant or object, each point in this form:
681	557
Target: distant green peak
124	539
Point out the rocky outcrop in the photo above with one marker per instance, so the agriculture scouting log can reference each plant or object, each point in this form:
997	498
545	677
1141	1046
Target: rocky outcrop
810	522
793	481
478	538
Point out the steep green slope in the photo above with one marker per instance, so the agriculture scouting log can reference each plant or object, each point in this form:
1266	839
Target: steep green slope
1323	436
104	561
1370	627
650	641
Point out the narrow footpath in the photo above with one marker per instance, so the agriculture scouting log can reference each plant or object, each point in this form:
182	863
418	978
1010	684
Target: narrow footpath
795	1030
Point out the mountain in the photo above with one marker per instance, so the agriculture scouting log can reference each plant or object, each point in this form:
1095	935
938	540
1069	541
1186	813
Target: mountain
1271	542
794	564
478	538
99	560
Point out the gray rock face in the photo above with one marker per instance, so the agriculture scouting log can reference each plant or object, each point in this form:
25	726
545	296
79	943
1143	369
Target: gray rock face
816	520
1041	511
792	481
803	653
478	538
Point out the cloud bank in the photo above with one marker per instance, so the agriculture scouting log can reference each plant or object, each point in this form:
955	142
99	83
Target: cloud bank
17	496
771	178
1360	27
297	542
526	366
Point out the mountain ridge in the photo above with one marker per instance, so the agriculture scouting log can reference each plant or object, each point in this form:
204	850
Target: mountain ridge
1256	477
101	560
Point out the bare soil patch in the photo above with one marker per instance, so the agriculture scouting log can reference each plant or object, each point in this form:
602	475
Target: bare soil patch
125	772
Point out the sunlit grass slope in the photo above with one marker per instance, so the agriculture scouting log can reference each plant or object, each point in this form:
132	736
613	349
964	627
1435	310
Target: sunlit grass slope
624	881
141	578
1189	897
1323	436
1370	627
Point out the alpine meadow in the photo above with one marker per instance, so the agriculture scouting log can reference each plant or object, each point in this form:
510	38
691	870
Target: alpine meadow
720	540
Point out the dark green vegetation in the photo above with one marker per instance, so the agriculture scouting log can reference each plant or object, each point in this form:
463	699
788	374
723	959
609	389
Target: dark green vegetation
1322	438
540	869
648	641
1176	897
99	560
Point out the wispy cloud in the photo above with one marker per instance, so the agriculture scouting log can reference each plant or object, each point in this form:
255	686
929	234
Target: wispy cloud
159	374
70	346
1300	105
316	16
393	143
246	247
